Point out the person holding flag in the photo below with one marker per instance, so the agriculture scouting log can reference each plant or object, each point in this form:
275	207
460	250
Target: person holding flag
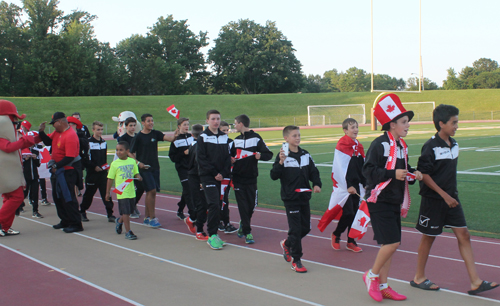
122	171
348	185
386	171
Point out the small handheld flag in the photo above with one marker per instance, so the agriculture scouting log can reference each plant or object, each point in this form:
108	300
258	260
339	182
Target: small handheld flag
119	189
303	190
105	166
243	153
173	111
360	224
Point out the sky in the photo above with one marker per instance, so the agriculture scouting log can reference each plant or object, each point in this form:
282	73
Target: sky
329	34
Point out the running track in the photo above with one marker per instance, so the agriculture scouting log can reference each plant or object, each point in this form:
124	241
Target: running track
33	281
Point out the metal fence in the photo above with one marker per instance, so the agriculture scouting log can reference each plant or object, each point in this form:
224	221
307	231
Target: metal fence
169	126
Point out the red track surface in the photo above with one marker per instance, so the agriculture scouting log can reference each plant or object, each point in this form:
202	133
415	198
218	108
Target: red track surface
445	266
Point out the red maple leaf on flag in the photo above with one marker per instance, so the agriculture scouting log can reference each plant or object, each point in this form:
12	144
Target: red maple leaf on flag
45	156
390	108
362	221
174	111
335	184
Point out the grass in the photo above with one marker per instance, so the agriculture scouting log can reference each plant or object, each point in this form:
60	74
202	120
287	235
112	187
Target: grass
270	110
478	193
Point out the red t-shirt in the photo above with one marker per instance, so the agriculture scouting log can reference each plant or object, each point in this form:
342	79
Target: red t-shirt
65	144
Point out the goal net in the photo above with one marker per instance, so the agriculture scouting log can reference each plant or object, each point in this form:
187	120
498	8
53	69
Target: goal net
422	110
335	114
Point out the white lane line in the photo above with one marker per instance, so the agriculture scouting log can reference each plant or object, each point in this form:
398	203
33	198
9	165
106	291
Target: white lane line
479	173
183	266
495	166
255	250
282	213
69	274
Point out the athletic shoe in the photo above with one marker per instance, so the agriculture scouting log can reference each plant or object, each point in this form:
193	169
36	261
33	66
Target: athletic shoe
240	231
298	267
84	217
146	221
214	242
222	242
118	227
11	232
36	214
372	286
2	233
154	223
180	215
112	219
286	251
249	239
221	227
72	229
389	293
44	202
130	235
335	242
230	229
190	225
353	246
134	216
201	236
58	226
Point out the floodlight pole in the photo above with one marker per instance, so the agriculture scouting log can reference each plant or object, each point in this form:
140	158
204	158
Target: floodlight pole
420	79
371	28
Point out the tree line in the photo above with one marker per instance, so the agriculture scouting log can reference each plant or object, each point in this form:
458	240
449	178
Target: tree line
56	54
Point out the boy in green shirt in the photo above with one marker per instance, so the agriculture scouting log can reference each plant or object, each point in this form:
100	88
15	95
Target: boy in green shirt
123	171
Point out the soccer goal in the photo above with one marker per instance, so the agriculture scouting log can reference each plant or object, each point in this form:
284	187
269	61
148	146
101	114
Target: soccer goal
422	110
335	114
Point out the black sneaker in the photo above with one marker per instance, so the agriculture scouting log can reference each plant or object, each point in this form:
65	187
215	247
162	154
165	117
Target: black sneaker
180	215
44	202
59	226
221	227
84	217
36	214
230	229
112	219
72	229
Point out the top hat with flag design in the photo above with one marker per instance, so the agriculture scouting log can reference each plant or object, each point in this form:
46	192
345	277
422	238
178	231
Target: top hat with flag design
389	109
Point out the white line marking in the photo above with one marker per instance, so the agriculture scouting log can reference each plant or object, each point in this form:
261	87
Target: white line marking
69	274
495	166
181	265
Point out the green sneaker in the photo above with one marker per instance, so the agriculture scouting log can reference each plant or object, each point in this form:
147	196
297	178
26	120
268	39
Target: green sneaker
249	239
240	232
223	243
214	242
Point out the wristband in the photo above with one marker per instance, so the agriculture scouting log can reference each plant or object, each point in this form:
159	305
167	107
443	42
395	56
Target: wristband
138	162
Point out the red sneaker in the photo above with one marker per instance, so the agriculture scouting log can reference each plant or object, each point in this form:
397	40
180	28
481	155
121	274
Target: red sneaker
201	236
389	293
190	225
286	251
335	242
298	267
353	247
372	285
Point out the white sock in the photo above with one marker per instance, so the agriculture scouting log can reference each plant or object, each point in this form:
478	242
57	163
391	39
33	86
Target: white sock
371	274
383	286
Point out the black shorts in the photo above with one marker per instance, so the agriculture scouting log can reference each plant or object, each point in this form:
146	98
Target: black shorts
151	180
435	214
386	222
126	206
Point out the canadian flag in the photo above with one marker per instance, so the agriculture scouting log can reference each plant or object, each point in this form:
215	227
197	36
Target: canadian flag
303	190
119	189
223	186
360	224
345	149
105	166
243	153
173	111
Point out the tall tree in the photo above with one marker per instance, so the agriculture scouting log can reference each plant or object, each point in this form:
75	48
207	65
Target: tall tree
253	59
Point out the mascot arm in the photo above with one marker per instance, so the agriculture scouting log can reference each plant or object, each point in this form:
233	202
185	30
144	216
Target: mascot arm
22	143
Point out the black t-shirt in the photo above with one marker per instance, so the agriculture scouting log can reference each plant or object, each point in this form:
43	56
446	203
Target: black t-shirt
145	147
126	137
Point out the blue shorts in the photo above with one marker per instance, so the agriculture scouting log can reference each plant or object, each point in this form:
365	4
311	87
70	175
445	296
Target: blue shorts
151	180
